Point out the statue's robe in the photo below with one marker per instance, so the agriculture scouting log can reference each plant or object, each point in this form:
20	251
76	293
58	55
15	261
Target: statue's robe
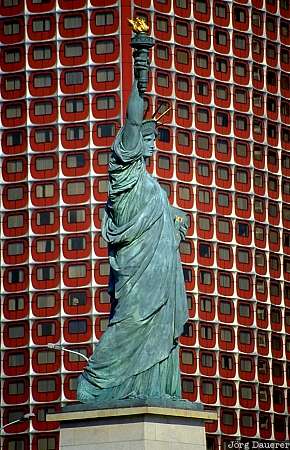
138	353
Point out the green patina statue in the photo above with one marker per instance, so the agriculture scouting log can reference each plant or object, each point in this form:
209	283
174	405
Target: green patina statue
137	356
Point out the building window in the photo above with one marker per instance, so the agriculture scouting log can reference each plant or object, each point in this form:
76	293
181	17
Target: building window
73	50
11	56
45	218
42	80
45	273
42	53
104	19
72	22
106	130
43	136
41	25
227	362
46	329
76	216
104	47
74	77
108	102
201	6
45	300
77	326
104	75
182	83
44	191
77	271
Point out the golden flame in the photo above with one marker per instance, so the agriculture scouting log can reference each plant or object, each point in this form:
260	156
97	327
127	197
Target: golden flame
138	25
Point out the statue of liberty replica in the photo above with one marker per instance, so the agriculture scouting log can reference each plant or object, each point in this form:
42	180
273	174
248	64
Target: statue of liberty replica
137	356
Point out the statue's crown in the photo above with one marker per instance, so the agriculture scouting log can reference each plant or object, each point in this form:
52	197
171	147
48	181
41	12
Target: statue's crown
149	125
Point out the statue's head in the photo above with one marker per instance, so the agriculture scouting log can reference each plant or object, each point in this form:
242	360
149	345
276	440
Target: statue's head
149	133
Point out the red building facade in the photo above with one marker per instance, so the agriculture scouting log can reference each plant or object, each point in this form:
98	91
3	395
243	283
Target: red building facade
223	155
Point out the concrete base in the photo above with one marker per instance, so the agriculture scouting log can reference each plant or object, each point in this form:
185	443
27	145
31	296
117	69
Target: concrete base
139	428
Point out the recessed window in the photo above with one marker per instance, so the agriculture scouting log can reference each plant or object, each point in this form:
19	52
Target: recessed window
12	83
76	216
220	10
225	280
205	277
204	223
43	108
45	218
104	19
16	359
106	130
43	136
226	334
77	271
204	250
201	6
16	331
245	337
221	92
42	53
223	253
225	307
15	193
45	300
46	385
104	47
223	226
46	357
182	83
227	362
45	273
206	304
74	77
11	28
73	50
76	188
77	298
222	146
108	102
77	326
207	360
11	56
15	303
243	283
182	29
76	243
13	112
72	22
41	25
202	61
104	75
45	245
44	190
46	329
182	56
16	248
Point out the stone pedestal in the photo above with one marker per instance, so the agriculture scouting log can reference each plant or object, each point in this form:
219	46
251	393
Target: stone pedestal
133	428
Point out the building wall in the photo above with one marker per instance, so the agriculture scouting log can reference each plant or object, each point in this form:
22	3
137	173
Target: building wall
222	156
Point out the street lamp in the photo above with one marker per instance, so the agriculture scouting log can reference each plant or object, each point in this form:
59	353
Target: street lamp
64	349
24	417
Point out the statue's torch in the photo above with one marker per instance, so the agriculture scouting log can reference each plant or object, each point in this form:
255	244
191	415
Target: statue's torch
141	43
